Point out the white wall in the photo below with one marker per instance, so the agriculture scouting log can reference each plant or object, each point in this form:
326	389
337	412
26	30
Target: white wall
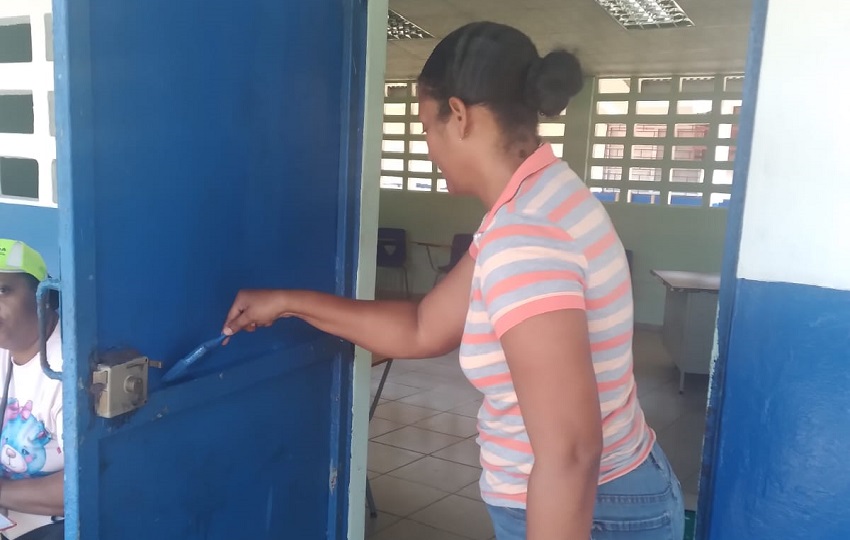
797	217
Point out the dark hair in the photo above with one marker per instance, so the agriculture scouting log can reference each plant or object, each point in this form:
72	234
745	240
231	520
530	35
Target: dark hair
492	64
52	295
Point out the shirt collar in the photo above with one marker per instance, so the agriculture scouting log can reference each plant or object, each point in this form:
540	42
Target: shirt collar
536	162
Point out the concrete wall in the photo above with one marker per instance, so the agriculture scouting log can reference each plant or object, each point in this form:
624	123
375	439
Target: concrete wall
780	465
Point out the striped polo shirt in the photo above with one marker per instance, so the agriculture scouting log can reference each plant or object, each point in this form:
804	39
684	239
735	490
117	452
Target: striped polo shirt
548	244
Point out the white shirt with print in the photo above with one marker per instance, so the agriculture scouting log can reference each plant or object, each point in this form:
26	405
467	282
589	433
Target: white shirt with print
31	440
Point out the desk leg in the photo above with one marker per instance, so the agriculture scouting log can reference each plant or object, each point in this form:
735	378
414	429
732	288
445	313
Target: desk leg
681	382
380	389
370	499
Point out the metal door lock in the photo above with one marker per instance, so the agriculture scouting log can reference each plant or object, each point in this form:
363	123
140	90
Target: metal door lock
120	383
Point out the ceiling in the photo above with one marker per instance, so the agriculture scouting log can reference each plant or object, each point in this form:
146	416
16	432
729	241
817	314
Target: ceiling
716	44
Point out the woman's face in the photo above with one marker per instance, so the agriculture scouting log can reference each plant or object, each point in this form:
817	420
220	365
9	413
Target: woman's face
18	312
443	144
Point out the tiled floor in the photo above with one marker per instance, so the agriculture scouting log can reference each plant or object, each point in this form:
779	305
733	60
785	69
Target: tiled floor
423	459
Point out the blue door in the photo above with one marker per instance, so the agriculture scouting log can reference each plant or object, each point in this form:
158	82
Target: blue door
205	147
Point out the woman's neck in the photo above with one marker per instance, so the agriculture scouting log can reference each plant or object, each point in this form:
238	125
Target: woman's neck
497	171
24	355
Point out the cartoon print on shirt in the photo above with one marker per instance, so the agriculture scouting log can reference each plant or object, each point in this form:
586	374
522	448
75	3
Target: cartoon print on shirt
23	442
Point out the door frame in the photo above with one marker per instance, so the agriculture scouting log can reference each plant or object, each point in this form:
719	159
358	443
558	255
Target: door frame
729	281
74	134
372	122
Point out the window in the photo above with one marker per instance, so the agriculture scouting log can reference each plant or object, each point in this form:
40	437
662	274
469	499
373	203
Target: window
675	198
610	130
722	177
392	146
676	134
27	112
606	194
558	150
418	147
693	176
655	131
696	84
612	107
394	128
642	174
694	107
656	86
395	109
640	196
608	151
606	173
549	129
653	107
392	182
692	131
689	153
646	151
614	86
406	165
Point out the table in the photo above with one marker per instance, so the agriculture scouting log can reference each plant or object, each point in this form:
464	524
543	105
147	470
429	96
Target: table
690	315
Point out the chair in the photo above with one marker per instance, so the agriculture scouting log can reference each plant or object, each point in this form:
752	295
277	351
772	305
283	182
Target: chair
392	253
377	360
460	245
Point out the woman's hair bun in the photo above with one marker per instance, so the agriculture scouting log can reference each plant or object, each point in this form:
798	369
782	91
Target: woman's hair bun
552	81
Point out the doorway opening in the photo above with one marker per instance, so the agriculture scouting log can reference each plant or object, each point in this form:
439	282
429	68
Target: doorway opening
654	135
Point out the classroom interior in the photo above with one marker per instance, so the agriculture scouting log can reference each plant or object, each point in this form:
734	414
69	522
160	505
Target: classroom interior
653	135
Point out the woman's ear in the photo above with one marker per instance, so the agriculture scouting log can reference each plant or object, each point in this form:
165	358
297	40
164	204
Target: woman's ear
459	116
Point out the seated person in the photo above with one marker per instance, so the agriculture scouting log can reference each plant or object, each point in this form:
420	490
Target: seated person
31	455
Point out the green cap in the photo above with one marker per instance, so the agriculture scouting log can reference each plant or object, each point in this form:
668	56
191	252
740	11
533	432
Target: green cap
18	258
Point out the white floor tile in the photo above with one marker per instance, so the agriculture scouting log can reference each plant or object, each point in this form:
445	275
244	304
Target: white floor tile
437	473
418	440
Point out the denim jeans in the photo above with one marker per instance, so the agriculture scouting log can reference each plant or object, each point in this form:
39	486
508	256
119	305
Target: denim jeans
645	504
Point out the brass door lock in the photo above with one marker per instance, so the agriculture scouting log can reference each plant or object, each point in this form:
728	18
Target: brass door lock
120	382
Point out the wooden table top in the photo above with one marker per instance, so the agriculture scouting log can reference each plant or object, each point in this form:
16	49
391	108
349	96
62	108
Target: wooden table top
378	359
688	281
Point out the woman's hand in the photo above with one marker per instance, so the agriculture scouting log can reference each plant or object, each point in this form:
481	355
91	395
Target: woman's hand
253	309
397	329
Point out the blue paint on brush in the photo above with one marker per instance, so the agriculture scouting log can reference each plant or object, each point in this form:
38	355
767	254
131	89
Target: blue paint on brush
178	369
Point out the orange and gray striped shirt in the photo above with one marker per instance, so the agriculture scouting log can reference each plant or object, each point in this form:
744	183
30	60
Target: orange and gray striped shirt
546	245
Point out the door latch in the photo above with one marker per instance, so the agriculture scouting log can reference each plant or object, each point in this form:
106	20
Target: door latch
120	382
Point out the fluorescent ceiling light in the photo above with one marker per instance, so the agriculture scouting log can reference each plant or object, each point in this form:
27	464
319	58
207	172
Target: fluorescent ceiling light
400	28
646	14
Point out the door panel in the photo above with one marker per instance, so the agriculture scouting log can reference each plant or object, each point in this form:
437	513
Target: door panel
225	466
206	148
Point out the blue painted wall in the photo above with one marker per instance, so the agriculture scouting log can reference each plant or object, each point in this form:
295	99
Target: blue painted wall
37	226
781	466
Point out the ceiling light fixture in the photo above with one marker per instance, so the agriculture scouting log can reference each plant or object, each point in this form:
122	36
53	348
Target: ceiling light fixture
400	28
646	14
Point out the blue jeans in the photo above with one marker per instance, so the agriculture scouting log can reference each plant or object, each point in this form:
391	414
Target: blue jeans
645	504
